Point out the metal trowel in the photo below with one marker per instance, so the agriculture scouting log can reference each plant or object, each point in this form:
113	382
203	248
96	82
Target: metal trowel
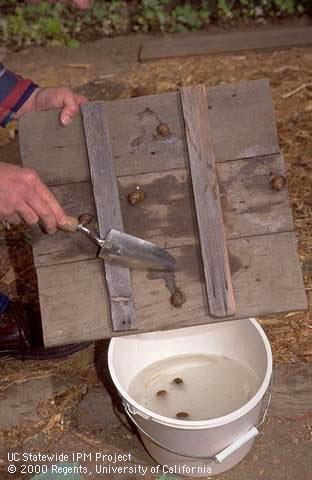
125	250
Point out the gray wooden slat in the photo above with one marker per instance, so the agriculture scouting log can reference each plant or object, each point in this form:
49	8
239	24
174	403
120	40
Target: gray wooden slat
260	288
167	217
227	42
240	116
108	211
207	202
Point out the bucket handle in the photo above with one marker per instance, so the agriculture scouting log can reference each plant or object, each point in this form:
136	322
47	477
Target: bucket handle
223	454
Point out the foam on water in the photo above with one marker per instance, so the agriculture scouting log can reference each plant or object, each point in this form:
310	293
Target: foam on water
194	387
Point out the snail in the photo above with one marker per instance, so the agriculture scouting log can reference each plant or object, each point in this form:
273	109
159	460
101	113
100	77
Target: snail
178	298
161	393
163	129
182	415
84	219
136	197
177	381
278	182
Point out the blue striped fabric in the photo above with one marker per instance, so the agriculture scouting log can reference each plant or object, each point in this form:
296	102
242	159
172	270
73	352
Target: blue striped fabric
14	92
8	81
4	302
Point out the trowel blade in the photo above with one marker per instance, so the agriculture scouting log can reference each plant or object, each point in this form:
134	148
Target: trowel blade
133	252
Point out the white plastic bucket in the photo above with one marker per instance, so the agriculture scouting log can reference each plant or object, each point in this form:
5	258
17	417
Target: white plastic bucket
194	448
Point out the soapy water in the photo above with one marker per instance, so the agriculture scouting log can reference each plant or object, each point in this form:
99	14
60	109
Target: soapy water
194	387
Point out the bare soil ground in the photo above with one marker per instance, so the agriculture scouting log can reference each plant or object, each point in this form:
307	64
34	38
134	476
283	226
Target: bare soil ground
108	69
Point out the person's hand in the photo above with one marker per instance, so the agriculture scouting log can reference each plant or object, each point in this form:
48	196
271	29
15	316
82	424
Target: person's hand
23	197
54	97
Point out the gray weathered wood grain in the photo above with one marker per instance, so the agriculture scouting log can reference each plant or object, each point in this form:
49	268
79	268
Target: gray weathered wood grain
167	216
82	309
264	264
108	212
240	116
75	307
58	154
207	202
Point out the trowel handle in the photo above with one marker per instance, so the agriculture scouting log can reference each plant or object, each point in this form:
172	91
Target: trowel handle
73	225
70	226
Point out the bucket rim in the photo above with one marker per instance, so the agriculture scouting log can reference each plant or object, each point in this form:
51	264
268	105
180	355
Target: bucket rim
146	414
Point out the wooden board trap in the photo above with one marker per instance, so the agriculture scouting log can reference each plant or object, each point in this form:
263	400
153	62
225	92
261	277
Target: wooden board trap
157	147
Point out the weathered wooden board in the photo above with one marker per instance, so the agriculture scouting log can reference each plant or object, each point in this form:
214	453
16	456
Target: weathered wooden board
240	116
207	202
228	42
71	305
106	197
167	216
258	223
82	309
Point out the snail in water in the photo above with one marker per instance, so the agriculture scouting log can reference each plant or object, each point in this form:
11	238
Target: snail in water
161	393
177	381
182	415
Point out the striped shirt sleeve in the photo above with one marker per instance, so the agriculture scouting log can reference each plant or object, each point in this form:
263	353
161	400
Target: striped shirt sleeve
14	92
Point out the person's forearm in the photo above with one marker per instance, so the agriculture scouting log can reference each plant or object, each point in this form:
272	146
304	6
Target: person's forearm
23	196
15	92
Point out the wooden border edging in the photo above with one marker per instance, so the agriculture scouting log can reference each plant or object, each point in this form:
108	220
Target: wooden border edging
181	45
